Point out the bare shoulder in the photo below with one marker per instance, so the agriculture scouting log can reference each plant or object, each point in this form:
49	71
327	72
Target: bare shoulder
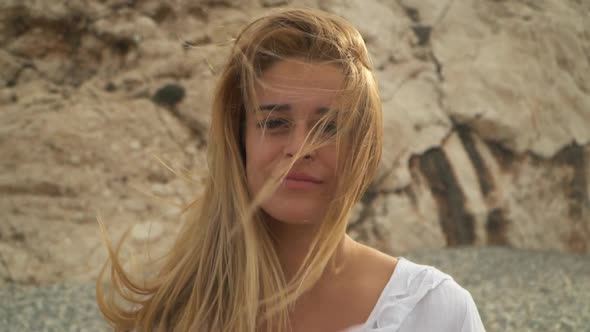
373	268
367	275
375	261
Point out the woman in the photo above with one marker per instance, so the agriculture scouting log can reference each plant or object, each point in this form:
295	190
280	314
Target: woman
295	140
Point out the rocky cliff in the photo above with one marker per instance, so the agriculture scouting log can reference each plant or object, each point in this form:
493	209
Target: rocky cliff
104	110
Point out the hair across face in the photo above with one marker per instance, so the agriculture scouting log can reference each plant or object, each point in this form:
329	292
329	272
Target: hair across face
313	40
293	98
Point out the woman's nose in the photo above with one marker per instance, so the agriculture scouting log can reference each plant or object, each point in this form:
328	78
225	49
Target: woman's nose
298	134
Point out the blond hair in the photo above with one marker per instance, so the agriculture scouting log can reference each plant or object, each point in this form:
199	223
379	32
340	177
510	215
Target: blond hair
223	273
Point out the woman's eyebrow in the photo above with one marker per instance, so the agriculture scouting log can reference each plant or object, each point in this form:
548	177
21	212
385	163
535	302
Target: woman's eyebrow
287	107
275	107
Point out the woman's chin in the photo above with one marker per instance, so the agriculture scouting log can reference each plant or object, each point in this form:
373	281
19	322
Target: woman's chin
298	221
296	209
292	217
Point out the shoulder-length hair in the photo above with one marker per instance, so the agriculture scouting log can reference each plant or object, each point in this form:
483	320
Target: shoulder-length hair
222	273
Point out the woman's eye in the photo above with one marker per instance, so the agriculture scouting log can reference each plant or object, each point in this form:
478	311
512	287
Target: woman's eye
331	128
273	123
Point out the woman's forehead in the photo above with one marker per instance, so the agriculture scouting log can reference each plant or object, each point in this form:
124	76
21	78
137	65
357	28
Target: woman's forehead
294	82
299	75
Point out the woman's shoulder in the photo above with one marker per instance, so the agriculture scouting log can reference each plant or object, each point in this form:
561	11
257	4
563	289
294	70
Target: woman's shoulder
371	262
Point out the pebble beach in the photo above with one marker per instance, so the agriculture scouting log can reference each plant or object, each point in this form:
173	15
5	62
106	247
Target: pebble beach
515	290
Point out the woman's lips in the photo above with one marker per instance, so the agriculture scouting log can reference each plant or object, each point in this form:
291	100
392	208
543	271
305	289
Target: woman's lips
297	176
300	181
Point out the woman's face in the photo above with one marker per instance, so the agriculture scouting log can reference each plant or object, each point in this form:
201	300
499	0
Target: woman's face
291	99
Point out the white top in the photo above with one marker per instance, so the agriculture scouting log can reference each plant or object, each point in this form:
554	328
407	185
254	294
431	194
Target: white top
422	298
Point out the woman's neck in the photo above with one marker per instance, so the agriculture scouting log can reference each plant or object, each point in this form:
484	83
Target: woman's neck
293	242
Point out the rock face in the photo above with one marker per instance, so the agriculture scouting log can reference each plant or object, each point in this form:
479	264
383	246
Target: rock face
493	119
486	108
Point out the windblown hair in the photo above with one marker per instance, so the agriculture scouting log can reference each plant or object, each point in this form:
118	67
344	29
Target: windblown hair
223	273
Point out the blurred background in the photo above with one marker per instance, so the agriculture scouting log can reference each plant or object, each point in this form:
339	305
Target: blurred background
104	110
